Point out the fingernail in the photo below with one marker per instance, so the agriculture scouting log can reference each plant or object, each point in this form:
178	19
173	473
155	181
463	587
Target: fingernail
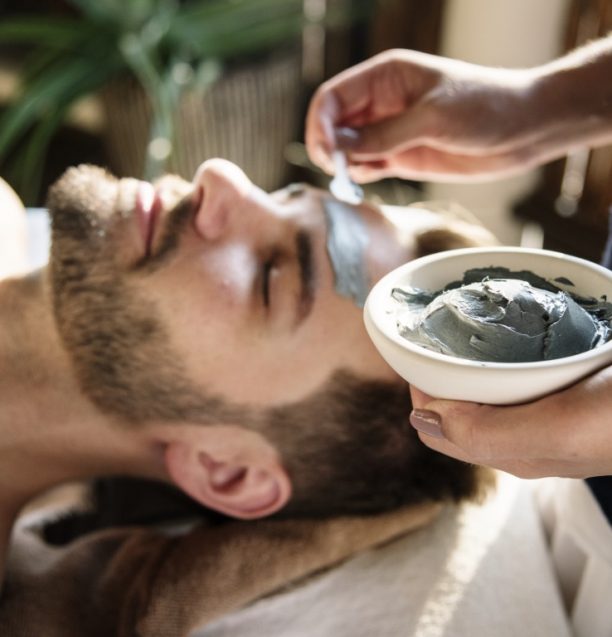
347	138
427	422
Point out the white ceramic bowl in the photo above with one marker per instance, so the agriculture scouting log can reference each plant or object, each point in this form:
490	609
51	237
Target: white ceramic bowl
455	378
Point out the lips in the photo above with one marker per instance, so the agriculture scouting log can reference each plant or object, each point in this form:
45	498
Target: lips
148	207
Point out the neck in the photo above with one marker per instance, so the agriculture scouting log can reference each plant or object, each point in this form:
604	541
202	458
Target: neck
50	432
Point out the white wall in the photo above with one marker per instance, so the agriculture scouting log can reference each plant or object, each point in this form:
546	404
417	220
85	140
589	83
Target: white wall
510	33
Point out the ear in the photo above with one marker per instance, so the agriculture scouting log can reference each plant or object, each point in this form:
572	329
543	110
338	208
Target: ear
235	476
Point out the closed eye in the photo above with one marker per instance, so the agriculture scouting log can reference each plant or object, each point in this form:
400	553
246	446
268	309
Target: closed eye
268	266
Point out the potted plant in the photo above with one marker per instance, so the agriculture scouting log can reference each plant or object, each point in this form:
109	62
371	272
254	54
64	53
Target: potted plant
179	80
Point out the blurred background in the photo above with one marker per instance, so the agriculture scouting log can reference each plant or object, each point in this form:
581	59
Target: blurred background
148	86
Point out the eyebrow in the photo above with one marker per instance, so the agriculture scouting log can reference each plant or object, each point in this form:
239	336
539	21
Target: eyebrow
303	248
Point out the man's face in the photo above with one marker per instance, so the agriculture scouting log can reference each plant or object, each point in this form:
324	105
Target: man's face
213	302
229	285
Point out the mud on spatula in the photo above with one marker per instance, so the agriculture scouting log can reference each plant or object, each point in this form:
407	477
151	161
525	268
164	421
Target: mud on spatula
341	186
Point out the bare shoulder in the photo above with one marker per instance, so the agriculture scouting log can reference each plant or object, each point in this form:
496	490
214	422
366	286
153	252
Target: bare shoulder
12	232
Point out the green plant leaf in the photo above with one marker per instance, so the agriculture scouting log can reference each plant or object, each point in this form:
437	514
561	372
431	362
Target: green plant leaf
151	39
205	26
28	162
57	33
63	86
125	15
162	90
40	60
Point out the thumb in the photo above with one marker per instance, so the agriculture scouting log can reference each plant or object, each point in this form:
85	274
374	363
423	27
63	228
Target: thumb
419	398
490	434
389	136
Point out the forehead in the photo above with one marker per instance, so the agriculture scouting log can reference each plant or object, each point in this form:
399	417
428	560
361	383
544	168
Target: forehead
299	200
304	199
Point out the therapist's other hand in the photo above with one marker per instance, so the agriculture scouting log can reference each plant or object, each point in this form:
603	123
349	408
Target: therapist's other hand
567	434
418	116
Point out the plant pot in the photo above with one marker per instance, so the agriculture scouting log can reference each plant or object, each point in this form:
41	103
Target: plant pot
248	116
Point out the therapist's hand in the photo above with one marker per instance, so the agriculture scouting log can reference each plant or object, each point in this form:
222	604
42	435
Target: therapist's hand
421	116
567	434
426	117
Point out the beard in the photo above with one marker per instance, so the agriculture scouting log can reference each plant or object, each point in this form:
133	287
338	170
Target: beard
350	449
120	350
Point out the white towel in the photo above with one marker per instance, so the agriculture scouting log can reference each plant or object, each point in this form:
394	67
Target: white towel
478	571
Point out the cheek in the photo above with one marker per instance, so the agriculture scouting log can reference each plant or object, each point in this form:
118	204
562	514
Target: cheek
229	274
336	334
383	254
343	341
207	283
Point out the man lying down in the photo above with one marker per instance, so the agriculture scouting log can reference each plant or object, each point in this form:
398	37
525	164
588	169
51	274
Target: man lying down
205	335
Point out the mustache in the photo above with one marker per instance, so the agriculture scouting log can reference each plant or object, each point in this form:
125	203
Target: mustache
82	207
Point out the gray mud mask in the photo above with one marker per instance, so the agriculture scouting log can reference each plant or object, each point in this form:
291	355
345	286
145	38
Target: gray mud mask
347	238
499	315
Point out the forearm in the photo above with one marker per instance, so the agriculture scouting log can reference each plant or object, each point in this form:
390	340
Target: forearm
425	117
571	99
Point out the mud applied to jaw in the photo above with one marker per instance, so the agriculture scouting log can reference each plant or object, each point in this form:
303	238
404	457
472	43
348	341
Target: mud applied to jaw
347	239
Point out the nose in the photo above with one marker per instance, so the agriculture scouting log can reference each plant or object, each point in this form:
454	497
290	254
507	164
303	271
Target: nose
223	186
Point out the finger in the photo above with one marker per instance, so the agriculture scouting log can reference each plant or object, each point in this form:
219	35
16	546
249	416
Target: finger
319	136
335	103
368	92
445	447
419	398
425	163
370	171
489	434
536	468
390	136
526	469
432	438
321	119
